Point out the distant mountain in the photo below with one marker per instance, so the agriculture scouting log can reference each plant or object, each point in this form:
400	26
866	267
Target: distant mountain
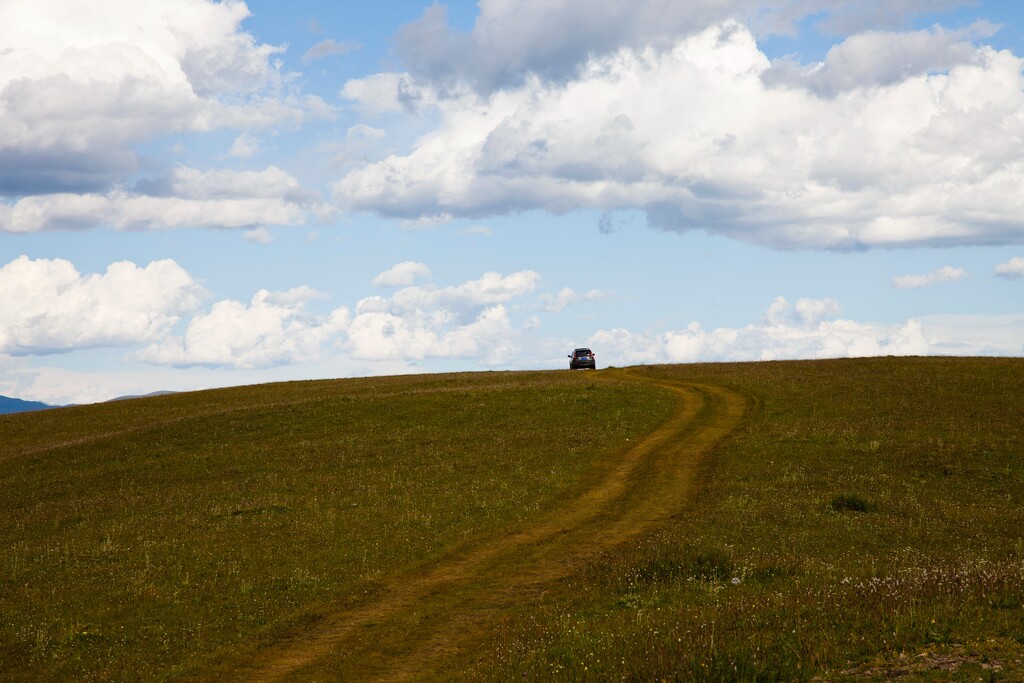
155	393
16	405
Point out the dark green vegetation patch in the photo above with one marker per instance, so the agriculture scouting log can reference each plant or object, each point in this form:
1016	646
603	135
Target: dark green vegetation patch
848	502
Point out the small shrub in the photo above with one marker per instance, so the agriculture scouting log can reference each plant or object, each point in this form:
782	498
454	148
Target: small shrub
847	502
706	565
712	565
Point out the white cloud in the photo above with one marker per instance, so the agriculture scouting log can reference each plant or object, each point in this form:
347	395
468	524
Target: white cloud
878	58
509	41
270	183
259	236
187	198
427	221
381	335
699	137
245	146
975	335
1012	269
47	306
126	211
806	313
296	296
491	288
556	303
389	92
806	330
359	144
362	131
812	329
459	321
81	83
328	48
944	274
402	274
272	330
850	16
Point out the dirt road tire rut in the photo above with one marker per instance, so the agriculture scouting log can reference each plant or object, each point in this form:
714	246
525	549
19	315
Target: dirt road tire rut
445	611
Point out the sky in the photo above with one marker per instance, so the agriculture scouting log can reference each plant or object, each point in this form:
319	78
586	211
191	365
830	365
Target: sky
197	194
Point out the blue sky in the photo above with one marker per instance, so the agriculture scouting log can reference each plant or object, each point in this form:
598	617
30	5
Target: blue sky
198	194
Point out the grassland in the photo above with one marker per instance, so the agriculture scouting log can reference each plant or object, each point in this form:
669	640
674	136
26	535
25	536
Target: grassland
841	520
148	539
771	575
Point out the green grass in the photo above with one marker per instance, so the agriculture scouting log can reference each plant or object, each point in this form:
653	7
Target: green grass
865	523
151	538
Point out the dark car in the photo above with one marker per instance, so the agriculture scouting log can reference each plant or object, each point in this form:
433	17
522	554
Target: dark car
582	358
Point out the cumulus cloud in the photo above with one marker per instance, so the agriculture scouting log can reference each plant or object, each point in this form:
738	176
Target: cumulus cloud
812	328
272	330
382	335
390	92
363	132
850	16
556	303
808	329
271	183
491	288
296	296
402	274
878	58
468	320
81	83
80	86
700	137
187	197
245	146
427	221
459	321
805	313
510	41
47	306
1012	269
944	274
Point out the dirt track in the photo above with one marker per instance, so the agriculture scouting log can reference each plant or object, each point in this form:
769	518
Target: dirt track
413	627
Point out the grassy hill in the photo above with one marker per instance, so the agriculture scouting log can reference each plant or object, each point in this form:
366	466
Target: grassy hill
833	519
